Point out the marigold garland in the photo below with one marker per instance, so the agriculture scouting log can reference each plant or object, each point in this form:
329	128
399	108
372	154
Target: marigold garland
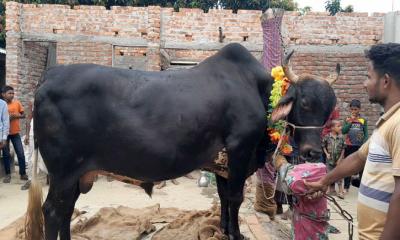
279	89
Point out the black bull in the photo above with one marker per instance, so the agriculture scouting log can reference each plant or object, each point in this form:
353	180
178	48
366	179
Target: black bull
154	126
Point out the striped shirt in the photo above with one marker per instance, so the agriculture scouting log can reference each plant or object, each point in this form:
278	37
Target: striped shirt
382	152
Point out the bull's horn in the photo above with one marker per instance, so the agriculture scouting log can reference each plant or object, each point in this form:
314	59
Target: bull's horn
288	70
334	77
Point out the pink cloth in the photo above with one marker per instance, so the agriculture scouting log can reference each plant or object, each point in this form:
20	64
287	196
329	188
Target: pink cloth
310	219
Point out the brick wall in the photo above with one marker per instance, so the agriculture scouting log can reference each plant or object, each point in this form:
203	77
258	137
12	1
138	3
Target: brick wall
317	28
130	57
83	20
141	37
33	65
84	52
197	26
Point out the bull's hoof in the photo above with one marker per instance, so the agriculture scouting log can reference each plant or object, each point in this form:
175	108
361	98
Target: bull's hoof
162	184
174	182
240	237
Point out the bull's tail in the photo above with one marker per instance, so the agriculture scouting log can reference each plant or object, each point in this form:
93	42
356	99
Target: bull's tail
34	220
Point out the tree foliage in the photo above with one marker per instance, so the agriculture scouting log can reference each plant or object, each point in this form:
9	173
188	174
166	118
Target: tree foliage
333	7
305	10
348	9
263	5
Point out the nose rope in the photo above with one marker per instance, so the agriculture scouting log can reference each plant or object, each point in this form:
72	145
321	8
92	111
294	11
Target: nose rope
347	216
304	127
283	133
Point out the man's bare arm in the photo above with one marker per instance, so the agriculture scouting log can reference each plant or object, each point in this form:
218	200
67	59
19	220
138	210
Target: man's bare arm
352	164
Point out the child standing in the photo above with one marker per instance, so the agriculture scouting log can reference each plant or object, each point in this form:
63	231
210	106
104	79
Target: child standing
356	129
16	112
333	146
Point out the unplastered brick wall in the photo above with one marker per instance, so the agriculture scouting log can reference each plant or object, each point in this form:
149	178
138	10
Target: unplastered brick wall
123	36
84	20
193	25
316	28
33	65
198	55
188	54
84	52
130	57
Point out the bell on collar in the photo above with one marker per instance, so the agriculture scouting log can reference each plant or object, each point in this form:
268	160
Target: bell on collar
204	180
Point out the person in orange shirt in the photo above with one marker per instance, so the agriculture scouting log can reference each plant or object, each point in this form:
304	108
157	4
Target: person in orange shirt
16	112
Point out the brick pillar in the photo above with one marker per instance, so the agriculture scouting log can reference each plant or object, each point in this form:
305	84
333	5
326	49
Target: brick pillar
14	45
14	53
153	38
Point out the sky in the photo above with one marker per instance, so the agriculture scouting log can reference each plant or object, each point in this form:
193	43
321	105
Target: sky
359	5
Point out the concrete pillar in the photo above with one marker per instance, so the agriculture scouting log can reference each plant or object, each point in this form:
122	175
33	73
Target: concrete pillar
392	27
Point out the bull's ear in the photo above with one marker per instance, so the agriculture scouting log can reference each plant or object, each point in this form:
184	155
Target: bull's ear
284	106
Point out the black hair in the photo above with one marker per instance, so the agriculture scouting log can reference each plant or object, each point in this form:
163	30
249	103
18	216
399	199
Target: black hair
355	103
386	59
6	88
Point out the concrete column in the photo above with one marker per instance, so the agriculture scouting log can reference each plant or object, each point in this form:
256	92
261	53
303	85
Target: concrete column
392	27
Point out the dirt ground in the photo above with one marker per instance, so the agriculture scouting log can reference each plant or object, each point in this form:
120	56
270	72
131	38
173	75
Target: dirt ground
186	196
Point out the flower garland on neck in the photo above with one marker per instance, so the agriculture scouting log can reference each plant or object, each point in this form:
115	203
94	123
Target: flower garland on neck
279	88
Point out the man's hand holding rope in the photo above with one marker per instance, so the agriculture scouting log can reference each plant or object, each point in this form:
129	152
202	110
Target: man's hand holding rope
350	165
316	189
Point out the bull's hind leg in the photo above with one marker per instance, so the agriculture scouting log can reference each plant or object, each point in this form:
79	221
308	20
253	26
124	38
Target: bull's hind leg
238	166
58	209
222	185
235	199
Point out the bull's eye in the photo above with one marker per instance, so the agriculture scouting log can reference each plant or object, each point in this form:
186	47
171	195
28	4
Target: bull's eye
304	103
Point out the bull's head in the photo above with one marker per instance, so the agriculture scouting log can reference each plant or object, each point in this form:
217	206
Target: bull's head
308	103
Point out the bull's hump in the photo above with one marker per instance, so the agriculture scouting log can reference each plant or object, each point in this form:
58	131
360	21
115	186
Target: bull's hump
235	52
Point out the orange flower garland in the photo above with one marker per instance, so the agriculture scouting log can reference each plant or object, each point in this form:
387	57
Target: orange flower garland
279	89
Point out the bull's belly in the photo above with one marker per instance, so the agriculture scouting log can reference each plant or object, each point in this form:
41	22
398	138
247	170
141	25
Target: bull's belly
154	170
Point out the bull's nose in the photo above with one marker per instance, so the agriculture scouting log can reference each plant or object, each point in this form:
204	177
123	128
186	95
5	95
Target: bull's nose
315	154
311	154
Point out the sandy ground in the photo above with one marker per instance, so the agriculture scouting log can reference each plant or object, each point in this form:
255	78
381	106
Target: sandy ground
187	195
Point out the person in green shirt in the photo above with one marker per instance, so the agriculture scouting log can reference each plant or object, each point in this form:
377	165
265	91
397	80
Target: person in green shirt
356	129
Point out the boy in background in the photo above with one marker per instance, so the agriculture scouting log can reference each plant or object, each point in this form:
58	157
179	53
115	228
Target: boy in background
333	146
356	128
